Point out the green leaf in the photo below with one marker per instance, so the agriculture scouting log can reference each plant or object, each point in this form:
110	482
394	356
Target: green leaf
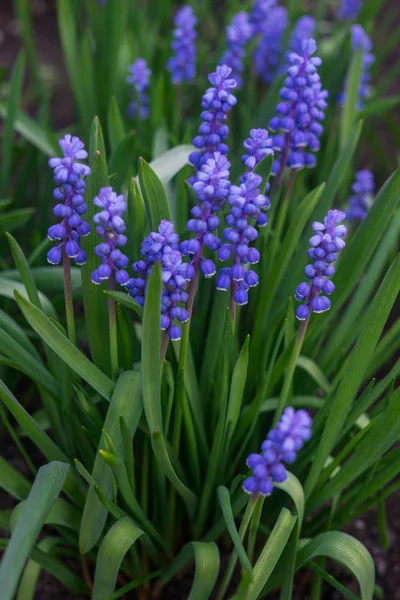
346	550
165	465
206	557
337	175
383	433
12	481
225	502
115	124
237	389
94	301
15	219
59	570
366	239
69	353
122	157
68	31
13	103
115	544
350	323
270	553
171	162
353	371
27	363
315	372
379	106
18	334
41	440
8	287
154	195
46	487
26	588
125	300
33	132
62	513
264	168
351	95
25	272
126	403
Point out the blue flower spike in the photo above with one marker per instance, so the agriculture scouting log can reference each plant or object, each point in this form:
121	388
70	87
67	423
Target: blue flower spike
69	175
324	246
281	446
110	225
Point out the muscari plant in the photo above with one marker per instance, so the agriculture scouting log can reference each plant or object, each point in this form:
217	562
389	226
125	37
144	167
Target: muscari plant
185	414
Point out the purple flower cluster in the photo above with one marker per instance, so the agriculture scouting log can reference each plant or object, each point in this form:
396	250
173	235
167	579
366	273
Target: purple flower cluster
238	33
259	14
216	104
110	226
269	52
281	446
139	79
162	247
325	244
348	9
69	176
182	65
359	39
258	145
360	200
212	187
300	111
303	30
246	202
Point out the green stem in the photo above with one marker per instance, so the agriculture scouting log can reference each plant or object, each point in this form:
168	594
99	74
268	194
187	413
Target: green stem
112	322
234	556
287	383
254	527
69	305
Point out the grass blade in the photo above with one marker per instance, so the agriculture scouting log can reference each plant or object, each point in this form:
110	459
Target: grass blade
13	103
126	403
354	369
347	551
154	195
116	543
47	486
69	353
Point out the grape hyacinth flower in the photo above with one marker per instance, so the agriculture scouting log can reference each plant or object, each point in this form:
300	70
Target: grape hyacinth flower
238	33
259	14
182	65
258	145
69	176
281	446
162	247
361	199
348	9
216	104
269	52
246	202
139	79
303	30
297	124
212	187
359	39
325	244
110	226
